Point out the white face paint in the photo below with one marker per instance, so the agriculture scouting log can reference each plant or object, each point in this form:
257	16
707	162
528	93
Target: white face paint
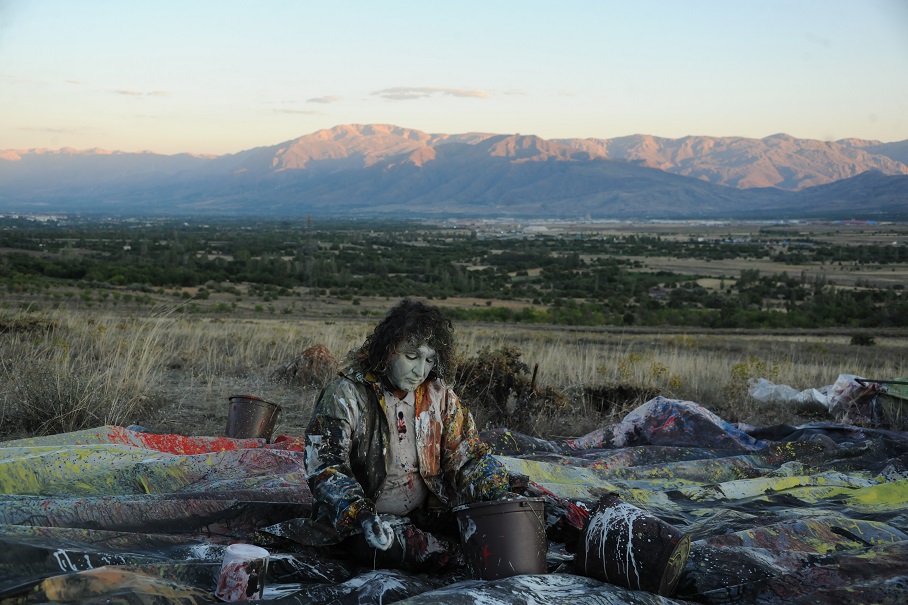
410	367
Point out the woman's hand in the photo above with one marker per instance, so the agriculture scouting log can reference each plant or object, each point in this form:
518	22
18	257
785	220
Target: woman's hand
378	533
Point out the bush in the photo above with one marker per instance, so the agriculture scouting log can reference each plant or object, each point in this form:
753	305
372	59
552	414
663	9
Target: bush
863	340
496	386
490	383
46	400
70	377
314	366
26	323
52	396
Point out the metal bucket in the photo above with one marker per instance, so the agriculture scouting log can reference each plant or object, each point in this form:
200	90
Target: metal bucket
503	538
624	545
251	417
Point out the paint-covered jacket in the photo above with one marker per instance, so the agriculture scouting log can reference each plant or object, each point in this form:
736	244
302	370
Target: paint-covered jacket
347	439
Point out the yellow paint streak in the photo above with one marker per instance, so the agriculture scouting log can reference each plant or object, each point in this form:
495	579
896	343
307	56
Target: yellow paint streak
95	583
834	483
561	480
892	495
107	469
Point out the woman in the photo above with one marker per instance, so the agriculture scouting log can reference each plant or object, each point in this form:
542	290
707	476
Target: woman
390	449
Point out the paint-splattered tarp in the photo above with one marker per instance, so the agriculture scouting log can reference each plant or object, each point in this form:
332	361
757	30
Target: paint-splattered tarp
809	514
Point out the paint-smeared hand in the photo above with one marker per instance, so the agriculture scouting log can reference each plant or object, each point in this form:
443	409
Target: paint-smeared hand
378	533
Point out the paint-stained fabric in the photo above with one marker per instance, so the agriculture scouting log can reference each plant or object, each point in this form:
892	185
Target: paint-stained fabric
809	514
347	445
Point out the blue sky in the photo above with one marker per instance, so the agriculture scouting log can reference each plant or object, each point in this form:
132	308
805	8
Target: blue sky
223	76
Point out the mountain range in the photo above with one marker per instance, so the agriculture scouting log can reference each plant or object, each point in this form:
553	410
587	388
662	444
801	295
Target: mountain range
385	170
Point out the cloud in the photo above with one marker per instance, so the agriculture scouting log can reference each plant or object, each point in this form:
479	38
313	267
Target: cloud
328	99
307	112
49	130
142	93
408	93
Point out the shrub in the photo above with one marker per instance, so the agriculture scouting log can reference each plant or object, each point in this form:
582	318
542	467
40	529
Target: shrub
863	340
71	377
314	366
26	323
490	383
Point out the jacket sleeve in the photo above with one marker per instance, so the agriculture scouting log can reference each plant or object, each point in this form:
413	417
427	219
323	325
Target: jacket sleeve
467	462
338	497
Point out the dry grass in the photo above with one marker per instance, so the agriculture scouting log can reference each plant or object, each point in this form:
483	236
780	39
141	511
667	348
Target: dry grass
61	373
72	369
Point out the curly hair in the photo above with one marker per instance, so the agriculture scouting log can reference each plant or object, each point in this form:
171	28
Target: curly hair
409	322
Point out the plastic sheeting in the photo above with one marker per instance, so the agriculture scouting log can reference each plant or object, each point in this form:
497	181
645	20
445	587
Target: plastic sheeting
875	402
809	514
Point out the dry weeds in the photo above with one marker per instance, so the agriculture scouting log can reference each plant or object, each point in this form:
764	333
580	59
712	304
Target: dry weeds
71	369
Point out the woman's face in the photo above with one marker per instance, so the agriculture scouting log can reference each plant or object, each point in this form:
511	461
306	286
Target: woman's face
410	366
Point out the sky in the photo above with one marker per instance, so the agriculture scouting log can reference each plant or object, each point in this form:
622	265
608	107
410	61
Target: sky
220	77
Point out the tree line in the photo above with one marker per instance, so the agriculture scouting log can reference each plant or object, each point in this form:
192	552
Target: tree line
576	279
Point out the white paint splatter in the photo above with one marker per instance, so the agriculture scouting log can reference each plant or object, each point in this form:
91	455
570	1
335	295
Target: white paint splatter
467	527
613	527
312	461
205	551
66	564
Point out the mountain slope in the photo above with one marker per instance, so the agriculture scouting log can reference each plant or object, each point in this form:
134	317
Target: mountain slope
777	161
468	180
895	151
385	169
889	195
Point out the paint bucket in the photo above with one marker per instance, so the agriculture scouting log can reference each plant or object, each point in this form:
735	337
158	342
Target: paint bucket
624	545
251	417
503	538
243	571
